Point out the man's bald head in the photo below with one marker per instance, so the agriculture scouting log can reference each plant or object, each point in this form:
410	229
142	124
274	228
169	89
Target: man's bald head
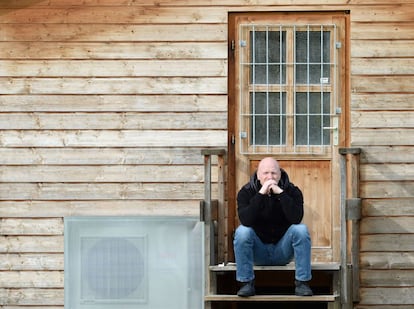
268	168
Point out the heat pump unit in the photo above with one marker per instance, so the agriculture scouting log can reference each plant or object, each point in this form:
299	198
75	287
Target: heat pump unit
138	262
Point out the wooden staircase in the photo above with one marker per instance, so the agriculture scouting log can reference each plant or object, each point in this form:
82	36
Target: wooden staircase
335	285
222	287
279	293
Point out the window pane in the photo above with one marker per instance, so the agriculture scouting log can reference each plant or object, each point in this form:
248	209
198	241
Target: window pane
312	114
312	56
267	67
268	118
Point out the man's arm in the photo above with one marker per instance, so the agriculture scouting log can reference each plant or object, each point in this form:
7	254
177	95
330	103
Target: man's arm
292	204
250	205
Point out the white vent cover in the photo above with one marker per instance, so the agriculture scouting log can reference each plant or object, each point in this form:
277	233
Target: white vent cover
113	269
139	262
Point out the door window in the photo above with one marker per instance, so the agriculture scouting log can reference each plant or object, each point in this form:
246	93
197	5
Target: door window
288	88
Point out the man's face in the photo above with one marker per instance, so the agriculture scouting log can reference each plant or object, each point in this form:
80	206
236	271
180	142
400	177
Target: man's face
268	169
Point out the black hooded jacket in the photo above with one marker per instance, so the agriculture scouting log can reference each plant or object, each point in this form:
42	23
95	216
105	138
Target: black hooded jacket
270	215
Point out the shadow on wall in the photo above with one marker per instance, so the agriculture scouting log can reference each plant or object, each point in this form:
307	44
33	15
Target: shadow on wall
387	225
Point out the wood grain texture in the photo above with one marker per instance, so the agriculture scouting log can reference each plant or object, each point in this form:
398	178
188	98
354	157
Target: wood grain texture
105	106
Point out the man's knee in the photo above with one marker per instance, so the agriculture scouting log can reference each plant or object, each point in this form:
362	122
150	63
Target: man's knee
243	233
300	230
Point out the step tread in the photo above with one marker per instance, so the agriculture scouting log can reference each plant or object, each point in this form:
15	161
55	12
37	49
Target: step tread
272	298
291	266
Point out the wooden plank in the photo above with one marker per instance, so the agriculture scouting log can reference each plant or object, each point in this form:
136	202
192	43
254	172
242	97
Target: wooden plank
101	156
110	138
113	50
387	243
388	207
382	137
164	3
271	298
32	296
382	66
101	191
386	172
113	121
121	14
101	174
382	119
387	154
382	48
382	31
179	3
113	32
320	266
382	101
400	189
387	295
113	68
31	261
359	2
387	278
31	244
121	85
113	103
387	260
382	13
387	225
50	226
31	279
380	84
173	15
51	209
381	306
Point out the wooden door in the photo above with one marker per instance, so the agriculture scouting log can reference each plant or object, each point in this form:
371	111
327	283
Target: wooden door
288	93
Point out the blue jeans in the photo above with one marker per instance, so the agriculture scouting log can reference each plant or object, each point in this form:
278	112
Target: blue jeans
249	250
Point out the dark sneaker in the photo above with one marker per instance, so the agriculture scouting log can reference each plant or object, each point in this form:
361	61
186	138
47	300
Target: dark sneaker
247	289
302	288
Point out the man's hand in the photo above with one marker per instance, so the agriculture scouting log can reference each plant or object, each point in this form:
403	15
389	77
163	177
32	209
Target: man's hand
270	187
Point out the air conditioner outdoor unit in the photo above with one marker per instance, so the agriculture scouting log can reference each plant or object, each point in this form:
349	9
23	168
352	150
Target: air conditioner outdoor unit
138	262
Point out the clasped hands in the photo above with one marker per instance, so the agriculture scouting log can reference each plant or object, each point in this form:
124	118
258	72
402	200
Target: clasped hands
270	186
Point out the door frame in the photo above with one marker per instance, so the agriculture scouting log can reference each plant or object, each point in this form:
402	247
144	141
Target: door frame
344	123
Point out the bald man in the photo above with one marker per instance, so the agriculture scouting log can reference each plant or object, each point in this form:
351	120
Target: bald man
270	209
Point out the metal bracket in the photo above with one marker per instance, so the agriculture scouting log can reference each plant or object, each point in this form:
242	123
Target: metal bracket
353	209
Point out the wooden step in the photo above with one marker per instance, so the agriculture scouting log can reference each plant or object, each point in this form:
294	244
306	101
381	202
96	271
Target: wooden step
272	298
331	269
289	267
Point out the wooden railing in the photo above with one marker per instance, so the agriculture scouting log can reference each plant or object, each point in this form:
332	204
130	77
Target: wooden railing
213	213
350	213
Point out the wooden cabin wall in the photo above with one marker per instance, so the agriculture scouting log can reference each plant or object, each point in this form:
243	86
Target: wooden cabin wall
105	105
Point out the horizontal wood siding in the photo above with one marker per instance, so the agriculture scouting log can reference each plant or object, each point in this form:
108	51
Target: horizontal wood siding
100	115
382	124
106	104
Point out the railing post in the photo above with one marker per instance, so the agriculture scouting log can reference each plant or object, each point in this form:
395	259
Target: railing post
222	252
350	211
344	240
206	209
207	204
209	230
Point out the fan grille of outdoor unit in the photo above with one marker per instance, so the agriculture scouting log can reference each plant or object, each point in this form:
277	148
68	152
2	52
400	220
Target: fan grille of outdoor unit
113	269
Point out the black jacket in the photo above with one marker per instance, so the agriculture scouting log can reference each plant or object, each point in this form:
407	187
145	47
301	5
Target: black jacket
270	215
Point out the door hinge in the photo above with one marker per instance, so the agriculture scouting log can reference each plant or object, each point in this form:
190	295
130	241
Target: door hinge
233	45
233	139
